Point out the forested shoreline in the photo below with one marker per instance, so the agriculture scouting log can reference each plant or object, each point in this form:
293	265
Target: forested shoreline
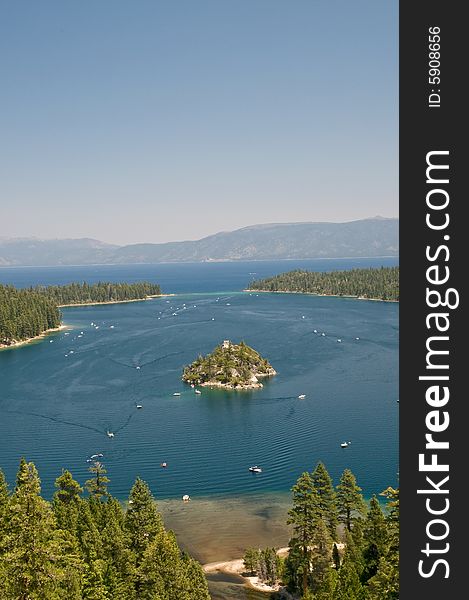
86	545
341	548
89	548
25	314
29	312
371	283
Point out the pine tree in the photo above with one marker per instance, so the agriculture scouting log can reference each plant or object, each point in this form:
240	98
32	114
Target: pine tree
250	560
142	520
159	569
97	485
327	498
348	585
321	558
34	556
376	536
349	498
87	533
385	584
66	501
303	516
119	576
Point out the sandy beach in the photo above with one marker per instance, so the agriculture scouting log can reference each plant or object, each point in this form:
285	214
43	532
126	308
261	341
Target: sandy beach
236	567
33	339
320	295
116	301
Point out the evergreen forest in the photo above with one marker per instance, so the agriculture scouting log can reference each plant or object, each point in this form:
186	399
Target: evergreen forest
79	547
26	313
378	284
341	547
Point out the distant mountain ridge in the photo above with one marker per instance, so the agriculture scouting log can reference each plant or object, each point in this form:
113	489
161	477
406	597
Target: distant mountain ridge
377	236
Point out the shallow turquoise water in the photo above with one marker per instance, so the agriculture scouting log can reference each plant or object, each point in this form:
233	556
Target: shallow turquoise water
56	409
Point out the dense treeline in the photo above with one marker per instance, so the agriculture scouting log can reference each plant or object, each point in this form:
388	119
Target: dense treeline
381	284
89	548
25	314
103	291
341	548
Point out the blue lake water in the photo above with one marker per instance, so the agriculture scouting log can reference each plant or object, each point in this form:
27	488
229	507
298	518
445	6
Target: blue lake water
59	397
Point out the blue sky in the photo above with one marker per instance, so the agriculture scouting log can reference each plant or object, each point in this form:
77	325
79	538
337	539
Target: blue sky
164	120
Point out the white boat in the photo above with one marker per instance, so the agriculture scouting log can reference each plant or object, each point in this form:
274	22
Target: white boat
344	444
339	340
186	498
323	334
198	392
255	469
109	434
97	455
137	368
302	396
315	330
177	394
139	406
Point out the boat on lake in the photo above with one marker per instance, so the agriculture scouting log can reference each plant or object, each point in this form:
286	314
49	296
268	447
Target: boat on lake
302	396
177	394
109	434
255	469
344	444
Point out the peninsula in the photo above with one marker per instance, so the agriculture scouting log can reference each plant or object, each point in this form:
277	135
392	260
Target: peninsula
28	314
230	366
369	284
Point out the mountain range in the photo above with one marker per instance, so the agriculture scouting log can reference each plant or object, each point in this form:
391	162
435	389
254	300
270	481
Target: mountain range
376	236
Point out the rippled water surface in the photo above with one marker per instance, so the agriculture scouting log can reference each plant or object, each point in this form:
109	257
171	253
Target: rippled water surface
59	397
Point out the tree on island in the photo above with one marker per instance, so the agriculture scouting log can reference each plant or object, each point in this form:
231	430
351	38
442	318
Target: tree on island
232	366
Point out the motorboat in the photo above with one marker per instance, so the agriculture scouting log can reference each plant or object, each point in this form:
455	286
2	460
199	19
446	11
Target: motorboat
164	465
109	434
139	406
255	469
198	392
344	444
302	396
177	394
186	498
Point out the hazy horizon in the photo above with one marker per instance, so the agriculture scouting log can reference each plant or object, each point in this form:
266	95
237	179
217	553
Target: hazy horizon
253	225
155	122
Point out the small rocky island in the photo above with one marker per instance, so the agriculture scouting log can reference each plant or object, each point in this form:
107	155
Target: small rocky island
231	366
